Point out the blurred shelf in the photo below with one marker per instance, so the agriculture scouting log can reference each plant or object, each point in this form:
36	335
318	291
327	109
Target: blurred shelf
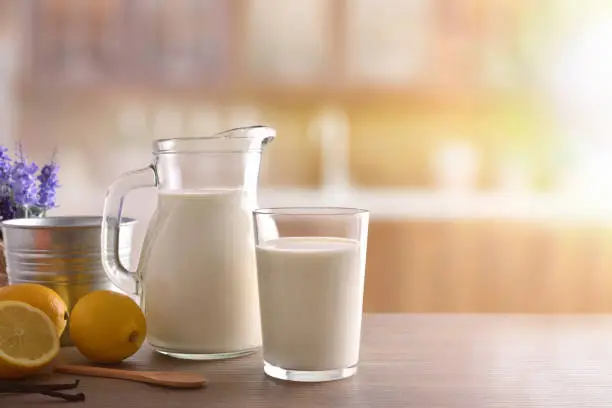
351	52
397	205
409	96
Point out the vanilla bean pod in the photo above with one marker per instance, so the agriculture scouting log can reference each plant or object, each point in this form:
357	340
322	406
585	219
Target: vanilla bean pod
68	397
51	390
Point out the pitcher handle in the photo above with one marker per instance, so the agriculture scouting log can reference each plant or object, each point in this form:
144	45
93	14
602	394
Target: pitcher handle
111	216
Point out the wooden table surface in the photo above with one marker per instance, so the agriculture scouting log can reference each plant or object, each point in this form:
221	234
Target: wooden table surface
465	361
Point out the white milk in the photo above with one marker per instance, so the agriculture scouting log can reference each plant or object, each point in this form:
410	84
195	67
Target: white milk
311	295
199	276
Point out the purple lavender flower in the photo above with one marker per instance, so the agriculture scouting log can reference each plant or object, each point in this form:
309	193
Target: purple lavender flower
23	192
48	183
5	172
7	209
23	181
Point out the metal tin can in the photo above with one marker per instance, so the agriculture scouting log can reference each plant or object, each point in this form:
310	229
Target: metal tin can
62	253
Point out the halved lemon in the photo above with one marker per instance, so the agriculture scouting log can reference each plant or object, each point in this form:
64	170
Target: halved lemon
28	339
41	297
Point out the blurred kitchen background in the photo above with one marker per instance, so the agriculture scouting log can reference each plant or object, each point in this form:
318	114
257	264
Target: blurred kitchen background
478	132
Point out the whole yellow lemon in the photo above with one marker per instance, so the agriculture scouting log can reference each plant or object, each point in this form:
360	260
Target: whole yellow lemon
107	327
40	297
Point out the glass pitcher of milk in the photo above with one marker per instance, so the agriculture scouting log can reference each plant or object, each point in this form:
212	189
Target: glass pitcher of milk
197	275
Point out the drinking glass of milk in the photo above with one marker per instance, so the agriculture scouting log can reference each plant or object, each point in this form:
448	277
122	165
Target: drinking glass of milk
197	274
311	270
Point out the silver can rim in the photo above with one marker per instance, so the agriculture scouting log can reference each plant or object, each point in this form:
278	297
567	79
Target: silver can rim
68	221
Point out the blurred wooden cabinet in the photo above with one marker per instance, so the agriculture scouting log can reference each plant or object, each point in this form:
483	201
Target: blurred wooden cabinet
117	42
337	49
487	266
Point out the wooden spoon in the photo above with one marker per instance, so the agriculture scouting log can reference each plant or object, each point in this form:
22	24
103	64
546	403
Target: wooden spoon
172	379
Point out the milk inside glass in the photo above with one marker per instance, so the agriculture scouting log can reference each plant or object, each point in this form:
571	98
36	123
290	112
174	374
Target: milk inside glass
311	295
198	274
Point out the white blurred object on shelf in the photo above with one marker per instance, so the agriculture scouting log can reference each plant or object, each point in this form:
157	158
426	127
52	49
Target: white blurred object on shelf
455	166
331	129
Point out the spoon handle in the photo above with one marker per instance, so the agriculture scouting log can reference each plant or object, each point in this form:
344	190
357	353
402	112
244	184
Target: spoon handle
101	372
172	379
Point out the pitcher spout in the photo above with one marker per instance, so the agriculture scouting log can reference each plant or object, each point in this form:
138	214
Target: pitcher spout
259	134
238	140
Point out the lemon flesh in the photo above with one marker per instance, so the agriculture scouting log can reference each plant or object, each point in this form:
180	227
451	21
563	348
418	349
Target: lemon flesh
28	339
40	297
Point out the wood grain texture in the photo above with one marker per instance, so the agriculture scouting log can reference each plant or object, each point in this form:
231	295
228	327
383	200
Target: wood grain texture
462	361
488	266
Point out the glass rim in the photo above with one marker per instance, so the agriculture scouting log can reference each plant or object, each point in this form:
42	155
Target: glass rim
311	211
